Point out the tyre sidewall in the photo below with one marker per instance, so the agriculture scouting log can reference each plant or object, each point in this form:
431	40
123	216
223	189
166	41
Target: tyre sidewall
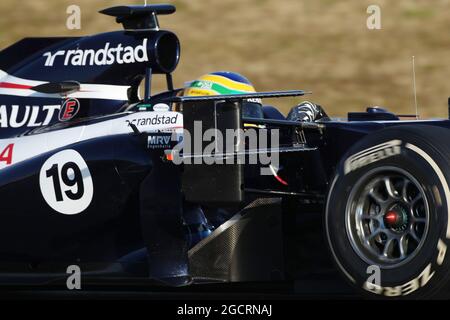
425	274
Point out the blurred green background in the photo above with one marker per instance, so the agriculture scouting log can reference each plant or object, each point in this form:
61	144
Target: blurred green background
318	45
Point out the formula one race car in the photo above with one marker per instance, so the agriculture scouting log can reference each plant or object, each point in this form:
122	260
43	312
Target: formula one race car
94	176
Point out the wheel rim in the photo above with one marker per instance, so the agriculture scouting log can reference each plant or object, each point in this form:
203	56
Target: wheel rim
387	217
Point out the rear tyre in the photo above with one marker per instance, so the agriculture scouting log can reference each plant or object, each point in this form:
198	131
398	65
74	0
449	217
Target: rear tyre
387	212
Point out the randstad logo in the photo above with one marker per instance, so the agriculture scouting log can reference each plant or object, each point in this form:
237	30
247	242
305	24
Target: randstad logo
101	57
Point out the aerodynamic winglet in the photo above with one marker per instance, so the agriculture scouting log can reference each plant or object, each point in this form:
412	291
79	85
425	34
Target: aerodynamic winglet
231	97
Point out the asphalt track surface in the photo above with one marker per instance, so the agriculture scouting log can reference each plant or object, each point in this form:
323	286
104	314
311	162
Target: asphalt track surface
324	285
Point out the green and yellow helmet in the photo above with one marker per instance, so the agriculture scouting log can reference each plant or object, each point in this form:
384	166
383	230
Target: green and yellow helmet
224	82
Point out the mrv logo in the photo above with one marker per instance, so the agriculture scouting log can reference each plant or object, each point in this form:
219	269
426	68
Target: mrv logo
26	116
100	57
159	141
371	155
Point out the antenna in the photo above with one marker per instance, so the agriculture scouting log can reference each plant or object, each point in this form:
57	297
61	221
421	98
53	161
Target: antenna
414	87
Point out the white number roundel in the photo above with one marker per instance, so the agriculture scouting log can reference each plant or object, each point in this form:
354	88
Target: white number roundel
66	183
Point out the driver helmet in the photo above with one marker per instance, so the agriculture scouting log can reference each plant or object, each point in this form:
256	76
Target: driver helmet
225	82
